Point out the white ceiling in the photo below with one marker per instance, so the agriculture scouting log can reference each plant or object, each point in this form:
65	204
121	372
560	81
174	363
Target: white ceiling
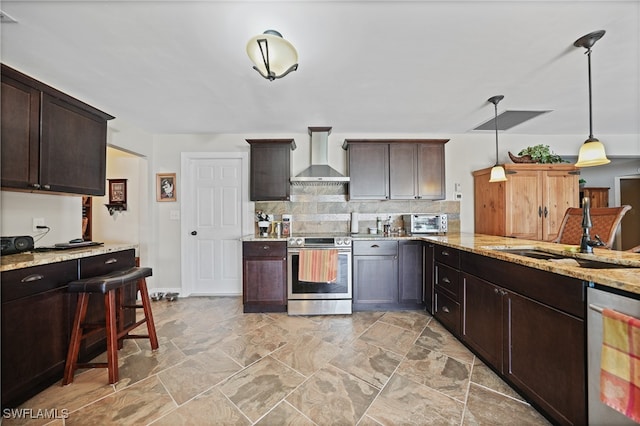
425	67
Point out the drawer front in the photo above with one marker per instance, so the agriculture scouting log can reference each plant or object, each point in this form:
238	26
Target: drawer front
448	256
105	263
37	279
447	311
448	279
375	248
264	249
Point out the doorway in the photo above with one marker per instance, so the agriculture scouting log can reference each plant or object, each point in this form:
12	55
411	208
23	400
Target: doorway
215	214
627	191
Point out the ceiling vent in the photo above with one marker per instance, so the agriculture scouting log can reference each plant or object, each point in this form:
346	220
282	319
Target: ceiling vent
509	119
319	173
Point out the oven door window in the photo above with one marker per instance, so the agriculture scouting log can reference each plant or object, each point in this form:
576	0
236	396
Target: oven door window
341	286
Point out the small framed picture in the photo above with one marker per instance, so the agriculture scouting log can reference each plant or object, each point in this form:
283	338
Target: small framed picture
117	191
166	187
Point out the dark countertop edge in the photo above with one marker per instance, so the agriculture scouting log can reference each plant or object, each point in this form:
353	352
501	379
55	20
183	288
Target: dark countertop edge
29	259
626	279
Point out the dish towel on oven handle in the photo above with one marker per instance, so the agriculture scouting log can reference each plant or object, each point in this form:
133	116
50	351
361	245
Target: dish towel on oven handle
620	363
318	266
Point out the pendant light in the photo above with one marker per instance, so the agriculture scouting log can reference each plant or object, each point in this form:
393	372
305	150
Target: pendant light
497	172
592	150
273	56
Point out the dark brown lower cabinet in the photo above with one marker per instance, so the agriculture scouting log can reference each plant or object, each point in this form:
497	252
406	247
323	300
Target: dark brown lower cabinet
545	357
483	319
375	274
264	276
36	324
528	325
410	273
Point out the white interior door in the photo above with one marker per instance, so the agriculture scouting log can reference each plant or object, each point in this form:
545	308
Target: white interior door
213	225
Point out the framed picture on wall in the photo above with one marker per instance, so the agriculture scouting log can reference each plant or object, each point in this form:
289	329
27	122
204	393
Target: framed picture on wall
117	191
166	187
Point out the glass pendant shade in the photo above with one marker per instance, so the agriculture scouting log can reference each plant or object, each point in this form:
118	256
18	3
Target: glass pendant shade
592	150
273	56
592	154
498	174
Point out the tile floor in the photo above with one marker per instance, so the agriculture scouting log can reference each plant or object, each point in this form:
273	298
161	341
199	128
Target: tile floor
217	365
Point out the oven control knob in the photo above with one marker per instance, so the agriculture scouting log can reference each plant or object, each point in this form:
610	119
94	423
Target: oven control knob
347	241
338	241
299	242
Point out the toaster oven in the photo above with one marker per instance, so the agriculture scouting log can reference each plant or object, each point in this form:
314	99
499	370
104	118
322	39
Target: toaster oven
425	223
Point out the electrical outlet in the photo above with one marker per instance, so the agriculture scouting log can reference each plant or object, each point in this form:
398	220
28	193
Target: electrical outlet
37	221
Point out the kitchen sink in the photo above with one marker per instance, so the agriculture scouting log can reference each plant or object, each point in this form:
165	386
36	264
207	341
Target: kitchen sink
535	253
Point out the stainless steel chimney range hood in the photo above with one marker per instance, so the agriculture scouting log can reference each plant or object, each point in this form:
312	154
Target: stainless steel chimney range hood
319	173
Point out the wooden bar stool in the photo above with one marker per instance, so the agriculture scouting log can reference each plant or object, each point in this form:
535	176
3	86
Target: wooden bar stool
110	285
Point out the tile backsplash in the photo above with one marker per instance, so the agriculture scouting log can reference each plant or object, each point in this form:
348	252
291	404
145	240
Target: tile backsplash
322	209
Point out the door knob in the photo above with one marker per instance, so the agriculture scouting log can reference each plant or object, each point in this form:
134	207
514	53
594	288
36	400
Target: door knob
194	232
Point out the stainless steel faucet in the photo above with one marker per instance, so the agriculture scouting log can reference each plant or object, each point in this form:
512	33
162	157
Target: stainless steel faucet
586	243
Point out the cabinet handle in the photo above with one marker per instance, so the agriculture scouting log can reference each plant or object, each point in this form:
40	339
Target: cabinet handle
265	248
539	211
496	291
444	253
110	261
375	246
46	186
445	309
546	212
35	185
446	280
31	278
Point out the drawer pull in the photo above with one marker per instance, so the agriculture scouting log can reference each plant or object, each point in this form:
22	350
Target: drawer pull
265	248
446	280
445	309
375	246
110	261
31	278
444	253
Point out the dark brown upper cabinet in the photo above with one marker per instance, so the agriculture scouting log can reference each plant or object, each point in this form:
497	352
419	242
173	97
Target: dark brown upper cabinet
270	169
50	141
396	169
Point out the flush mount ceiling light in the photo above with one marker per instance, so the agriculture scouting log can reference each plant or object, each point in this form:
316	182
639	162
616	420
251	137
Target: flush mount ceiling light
273	56
592	150
497	172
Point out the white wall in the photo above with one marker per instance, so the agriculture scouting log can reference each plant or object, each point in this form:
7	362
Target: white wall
62	213
124	226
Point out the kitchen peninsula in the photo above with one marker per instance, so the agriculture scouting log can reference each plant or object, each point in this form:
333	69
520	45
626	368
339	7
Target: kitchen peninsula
38	312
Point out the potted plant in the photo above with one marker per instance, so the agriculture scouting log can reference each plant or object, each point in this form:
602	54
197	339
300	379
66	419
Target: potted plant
537	154
582	182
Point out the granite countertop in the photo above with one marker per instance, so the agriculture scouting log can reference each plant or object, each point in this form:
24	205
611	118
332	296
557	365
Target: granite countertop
622	279
28	259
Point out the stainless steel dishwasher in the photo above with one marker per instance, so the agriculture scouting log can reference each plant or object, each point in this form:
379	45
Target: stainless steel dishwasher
599	413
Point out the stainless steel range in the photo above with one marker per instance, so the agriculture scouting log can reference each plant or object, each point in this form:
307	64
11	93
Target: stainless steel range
306	297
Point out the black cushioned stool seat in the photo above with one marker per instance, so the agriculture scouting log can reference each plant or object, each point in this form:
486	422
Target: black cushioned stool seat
110	285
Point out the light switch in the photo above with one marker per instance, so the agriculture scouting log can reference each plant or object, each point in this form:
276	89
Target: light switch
174	215
457	187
